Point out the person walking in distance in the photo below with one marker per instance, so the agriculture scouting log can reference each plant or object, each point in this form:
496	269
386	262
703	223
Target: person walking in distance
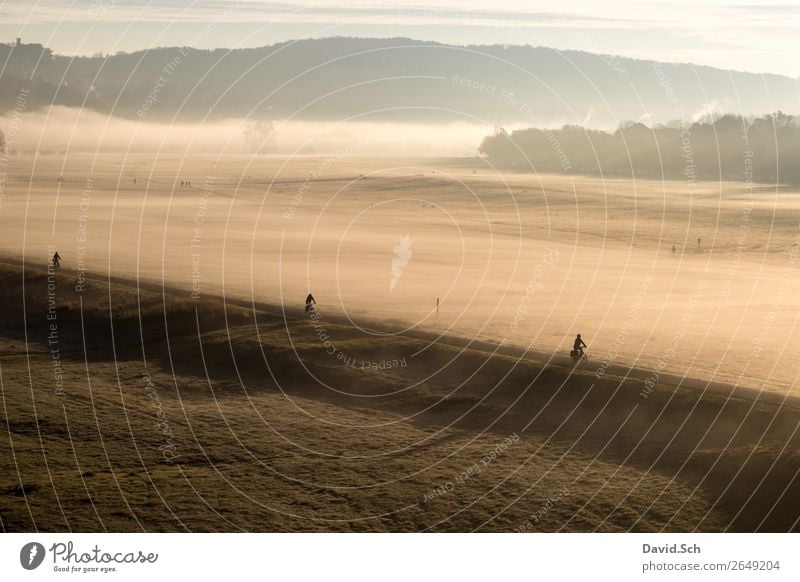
56	260
310	302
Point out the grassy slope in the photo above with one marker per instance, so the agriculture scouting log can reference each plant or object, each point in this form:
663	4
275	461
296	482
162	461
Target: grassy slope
271	433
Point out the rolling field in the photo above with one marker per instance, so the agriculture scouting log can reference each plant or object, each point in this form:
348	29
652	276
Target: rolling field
165	378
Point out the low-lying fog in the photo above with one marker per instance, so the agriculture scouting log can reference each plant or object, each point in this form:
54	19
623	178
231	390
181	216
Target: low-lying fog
62	129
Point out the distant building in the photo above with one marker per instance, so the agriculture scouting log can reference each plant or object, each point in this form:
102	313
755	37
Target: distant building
30	50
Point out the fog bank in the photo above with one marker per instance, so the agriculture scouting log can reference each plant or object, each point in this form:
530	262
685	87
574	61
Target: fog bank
64	129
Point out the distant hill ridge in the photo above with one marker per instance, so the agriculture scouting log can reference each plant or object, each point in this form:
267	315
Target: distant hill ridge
388	79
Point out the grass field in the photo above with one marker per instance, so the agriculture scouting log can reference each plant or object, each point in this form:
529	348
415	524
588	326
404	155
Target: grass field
212	417
183	389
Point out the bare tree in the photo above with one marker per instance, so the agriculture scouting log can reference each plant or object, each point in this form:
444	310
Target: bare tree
260	136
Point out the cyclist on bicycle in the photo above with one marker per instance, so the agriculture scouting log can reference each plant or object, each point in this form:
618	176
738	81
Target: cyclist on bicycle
579	345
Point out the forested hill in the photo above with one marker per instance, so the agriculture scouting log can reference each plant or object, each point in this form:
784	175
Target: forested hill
397	79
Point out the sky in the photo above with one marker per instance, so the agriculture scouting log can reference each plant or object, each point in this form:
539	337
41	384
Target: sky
731	34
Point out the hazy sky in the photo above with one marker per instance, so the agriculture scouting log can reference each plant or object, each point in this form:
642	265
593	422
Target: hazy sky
736	34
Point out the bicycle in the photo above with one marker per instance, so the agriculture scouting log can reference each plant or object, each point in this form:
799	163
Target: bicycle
578	356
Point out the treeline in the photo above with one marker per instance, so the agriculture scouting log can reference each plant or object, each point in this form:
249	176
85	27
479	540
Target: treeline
730	147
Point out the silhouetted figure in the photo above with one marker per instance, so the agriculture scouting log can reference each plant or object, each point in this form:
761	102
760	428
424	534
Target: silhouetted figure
56	260
181	183
673	250
310	302
579	344
134	181
698	243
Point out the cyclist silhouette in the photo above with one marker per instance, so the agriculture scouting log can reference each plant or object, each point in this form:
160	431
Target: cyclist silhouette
579	344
